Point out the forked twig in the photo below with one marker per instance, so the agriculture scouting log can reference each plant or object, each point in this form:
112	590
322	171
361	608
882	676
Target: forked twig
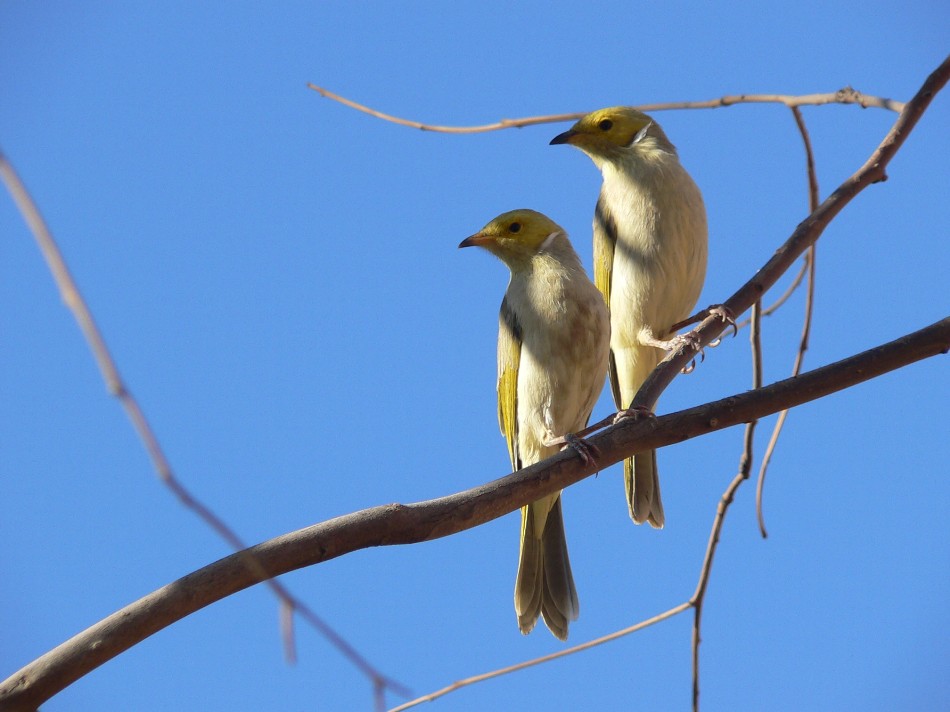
768	311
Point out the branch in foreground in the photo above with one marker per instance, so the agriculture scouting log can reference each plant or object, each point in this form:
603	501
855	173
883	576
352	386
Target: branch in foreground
423	521
846	95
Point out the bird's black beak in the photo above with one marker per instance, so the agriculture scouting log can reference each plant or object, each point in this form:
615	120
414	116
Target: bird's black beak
563	137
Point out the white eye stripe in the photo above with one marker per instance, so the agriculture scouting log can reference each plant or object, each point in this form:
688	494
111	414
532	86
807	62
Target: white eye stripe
547	240
641	134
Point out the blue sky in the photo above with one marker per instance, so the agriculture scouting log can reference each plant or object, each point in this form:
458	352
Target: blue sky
278	279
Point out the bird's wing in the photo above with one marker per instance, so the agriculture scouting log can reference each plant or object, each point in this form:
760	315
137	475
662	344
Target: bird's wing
605	242
509	360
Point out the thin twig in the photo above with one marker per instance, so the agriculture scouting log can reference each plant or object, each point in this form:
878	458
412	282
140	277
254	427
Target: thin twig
847	95
745	467
71	296
813	192
698	596
768	311
777	304
806	261
810	258
287	631
544	658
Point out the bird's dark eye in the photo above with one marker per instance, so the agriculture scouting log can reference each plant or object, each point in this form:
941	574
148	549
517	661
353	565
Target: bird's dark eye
514	227
606	125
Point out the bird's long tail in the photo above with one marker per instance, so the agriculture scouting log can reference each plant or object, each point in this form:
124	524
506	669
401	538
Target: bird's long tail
545	585
643	489
628	369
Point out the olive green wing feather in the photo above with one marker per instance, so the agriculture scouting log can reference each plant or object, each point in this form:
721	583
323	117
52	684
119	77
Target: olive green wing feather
605	242
509	361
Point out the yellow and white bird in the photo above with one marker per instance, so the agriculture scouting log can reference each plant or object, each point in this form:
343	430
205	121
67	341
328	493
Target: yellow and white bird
649	260
553	342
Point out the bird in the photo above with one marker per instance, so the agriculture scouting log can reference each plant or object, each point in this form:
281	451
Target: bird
650	248
553	342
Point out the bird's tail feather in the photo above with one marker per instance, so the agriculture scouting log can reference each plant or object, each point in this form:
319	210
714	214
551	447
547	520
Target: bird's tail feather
630	368
643	489
544	586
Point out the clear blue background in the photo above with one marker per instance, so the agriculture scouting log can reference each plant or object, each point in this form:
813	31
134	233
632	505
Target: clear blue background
278	279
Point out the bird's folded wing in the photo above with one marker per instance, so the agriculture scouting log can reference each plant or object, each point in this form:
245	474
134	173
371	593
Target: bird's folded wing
605	242
509	360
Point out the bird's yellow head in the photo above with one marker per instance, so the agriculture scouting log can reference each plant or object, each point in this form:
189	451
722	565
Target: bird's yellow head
516	236
606	132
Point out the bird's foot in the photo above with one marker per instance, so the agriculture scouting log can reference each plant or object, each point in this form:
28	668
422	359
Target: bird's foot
724	313
635	412
587	451
688	340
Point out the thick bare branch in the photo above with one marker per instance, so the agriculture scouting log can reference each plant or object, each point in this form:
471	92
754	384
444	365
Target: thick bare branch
407	524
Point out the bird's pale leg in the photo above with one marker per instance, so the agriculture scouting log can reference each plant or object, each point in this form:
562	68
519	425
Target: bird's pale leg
647	338
689	339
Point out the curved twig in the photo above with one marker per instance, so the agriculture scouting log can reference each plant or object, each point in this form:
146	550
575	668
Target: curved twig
675	610
745	467
846	95
768	311
810	258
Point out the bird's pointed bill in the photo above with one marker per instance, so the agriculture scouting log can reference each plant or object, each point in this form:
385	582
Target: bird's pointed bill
565	137
476	240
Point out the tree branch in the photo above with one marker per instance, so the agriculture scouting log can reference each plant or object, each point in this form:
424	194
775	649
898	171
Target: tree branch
391	524
674	611
805	235
403	524
745	467
810	257
846	95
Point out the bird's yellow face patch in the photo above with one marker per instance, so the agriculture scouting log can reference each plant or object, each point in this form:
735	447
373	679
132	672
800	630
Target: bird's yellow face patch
515	233
605	129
